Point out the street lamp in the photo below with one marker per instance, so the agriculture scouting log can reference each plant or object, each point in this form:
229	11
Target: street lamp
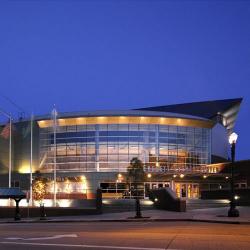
182	176
232	212
146	190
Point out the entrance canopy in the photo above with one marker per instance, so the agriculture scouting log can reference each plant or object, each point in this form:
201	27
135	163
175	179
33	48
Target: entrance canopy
15	194
12	193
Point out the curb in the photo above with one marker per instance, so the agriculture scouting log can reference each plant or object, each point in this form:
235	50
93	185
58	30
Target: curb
127	220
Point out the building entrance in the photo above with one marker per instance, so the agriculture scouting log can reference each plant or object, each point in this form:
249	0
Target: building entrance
154	185
187	190
121	190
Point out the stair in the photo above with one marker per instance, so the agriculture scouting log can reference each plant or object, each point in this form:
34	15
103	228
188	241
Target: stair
124	205
200	204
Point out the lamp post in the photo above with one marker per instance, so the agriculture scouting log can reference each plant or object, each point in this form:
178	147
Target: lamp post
146	191
232	212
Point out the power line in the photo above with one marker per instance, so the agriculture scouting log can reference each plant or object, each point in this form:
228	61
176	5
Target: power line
13	103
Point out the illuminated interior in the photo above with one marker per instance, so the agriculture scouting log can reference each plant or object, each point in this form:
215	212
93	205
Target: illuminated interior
127	120
110	147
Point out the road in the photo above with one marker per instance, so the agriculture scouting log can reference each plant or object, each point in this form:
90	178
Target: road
124	236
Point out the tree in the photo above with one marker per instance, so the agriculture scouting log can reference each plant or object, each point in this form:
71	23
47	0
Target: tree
136	178
39	187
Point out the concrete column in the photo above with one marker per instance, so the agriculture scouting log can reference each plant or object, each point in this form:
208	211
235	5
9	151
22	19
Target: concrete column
172	185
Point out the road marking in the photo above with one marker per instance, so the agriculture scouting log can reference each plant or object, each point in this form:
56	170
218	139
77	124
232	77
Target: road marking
45	238
82	246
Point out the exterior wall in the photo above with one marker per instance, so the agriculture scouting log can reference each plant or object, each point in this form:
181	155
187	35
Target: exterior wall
22	146
220	141
4	155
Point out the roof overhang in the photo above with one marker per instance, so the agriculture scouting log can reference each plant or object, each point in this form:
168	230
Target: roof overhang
223	111
159	120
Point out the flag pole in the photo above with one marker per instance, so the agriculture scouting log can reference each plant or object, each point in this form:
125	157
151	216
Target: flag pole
31	158
10	152
54	130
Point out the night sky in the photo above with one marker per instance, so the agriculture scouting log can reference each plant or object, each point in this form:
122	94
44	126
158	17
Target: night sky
95	55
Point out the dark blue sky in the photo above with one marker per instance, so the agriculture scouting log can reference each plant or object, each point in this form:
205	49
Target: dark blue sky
88	55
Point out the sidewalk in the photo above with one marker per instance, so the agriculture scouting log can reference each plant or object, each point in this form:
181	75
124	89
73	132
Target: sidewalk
213	215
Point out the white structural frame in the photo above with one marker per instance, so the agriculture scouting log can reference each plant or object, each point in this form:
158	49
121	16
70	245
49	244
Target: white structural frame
54	117
31	158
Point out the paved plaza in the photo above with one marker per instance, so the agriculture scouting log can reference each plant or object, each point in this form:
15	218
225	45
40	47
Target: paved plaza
199	215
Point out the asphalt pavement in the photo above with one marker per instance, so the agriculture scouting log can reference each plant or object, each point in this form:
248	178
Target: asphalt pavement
127	236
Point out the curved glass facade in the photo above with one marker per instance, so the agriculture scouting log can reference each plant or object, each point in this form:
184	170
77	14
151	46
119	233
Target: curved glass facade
110	147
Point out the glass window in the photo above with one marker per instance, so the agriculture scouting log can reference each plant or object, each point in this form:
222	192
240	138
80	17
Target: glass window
172	129
103	139
90	149
152	139
113	149
163	150
90	127
113	157
152	149
103	149
178	147
133	149
71	128
163	129
165	140
123	148
182	129
143	127
113	127
103	127
61	149
123	158
113	139
136	139
152	127
123	127
71	149
133	127
81	127
172	149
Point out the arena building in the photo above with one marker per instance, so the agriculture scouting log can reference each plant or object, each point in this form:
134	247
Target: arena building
83	151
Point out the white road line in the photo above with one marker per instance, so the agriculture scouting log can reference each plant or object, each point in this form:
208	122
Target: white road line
45	238
82	246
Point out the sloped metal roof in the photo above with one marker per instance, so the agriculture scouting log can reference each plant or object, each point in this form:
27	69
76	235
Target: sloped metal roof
226	109
120	113
222	111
